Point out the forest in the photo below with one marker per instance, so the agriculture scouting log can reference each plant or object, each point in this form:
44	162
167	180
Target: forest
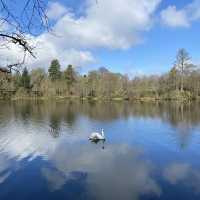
182	82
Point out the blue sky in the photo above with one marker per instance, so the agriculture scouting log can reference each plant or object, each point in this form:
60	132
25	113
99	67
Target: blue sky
127	36
157	53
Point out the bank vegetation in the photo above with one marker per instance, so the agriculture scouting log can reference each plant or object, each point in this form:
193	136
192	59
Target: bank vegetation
182	82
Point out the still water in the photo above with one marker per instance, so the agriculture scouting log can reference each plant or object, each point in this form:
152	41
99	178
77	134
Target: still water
152	151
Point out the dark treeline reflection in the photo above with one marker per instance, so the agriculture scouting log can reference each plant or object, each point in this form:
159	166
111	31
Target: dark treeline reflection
179	115
151	150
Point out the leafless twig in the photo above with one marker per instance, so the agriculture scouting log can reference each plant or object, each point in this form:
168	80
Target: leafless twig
16	24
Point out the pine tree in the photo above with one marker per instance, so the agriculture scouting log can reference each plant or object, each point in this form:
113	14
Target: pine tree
172	79
25	79
54	70
69	76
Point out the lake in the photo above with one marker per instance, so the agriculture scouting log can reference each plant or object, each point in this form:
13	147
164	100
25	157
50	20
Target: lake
152	150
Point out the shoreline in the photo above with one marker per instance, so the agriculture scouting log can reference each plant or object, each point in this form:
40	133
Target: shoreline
99	99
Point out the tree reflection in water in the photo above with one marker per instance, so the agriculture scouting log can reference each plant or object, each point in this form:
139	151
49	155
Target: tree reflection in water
64	160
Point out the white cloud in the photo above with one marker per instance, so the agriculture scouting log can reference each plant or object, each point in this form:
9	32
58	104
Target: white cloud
111	24
176	172
193	10
135	175
106	25
45	51
55	10
49	51
184	174
70	153
183	17
174	18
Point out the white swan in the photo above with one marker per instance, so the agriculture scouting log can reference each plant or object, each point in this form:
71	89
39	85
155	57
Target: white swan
97	136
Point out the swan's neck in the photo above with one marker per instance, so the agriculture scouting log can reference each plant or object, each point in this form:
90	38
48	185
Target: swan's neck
102	133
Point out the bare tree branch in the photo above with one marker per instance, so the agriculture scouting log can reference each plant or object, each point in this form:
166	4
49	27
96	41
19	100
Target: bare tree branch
29	20
20	40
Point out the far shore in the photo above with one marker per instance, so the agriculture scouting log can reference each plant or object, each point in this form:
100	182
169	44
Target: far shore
116	99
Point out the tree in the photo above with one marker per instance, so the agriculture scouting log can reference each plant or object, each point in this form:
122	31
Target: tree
69	76
103	70
25	79
182	63
19	20
29	19
172	79
93	83
37	76
54	70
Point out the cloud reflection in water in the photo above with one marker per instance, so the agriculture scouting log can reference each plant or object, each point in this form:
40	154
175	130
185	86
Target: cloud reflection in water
116	172
119	171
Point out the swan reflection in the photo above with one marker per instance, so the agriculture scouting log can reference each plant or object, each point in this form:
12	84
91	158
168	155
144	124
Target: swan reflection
100	142
47	144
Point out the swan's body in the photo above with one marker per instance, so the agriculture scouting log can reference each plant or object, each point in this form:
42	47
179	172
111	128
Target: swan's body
97	136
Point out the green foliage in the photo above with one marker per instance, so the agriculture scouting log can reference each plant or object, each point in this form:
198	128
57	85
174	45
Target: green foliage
21	93
16	78
69	75
54	70
25	79
182	82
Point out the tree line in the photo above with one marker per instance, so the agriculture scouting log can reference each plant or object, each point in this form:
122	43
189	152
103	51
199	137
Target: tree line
181	82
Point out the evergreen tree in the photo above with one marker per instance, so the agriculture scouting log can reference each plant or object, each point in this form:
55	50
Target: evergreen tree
172	79
69	76
54	70
25	79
